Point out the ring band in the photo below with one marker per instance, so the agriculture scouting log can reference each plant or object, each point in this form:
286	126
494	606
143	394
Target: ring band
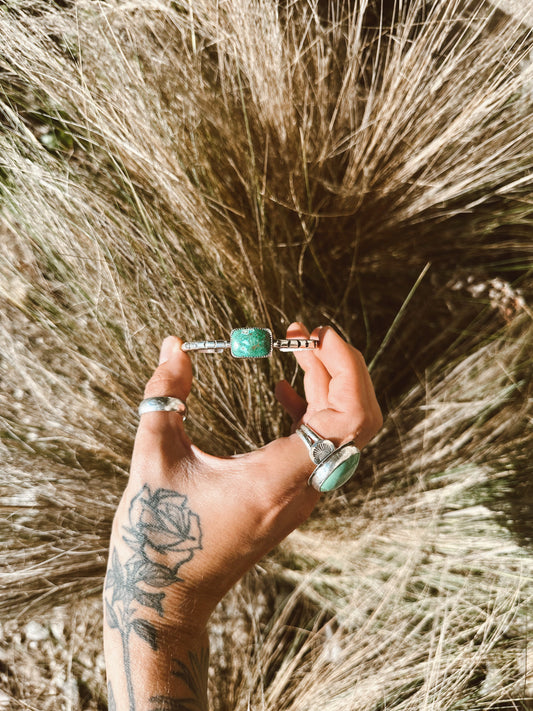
334	465
252	343
163	404
317	447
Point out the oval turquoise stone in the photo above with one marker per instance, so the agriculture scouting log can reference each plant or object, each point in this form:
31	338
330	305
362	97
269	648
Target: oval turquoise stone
341	473
251	342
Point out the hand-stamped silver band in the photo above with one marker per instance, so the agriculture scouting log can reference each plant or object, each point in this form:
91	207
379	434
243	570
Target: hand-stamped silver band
163	404
317	447
282	344
334	465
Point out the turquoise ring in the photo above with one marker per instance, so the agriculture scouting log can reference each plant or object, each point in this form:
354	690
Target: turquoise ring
334	465
251	343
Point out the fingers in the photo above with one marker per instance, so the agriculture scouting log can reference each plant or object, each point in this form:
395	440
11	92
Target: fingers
162	432
173	376
316	377
353	411
342	407
293	404
341	402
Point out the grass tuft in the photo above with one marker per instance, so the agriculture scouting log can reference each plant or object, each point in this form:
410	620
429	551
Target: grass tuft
186	168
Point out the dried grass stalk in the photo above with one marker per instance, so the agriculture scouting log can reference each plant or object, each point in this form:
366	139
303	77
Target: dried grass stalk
177	167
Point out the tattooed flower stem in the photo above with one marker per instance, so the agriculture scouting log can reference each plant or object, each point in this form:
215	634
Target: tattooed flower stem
162	534
127	667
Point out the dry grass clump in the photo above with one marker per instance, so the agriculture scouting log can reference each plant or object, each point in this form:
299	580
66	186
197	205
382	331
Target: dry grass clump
70	669
411	589
176	167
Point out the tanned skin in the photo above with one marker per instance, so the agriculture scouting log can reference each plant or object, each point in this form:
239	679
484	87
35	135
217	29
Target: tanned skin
189	524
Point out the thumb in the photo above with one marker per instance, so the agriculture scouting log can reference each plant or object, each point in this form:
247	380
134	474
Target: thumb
172	378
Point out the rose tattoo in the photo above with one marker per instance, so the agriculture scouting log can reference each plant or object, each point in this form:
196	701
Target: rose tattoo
162	528
163	534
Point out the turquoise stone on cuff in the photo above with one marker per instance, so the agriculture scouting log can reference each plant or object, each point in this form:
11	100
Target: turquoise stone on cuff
336	469
341	474
251	342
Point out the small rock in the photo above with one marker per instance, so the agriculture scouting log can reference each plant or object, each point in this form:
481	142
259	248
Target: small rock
71	691
57	629
35	632
100	662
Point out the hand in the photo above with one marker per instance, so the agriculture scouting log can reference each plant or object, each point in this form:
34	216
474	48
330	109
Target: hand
190	524
237	509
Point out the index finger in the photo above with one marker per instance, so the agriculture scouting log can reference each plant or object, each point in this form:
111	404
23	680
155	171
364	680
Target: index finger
172	378
352	406
338	356
341	359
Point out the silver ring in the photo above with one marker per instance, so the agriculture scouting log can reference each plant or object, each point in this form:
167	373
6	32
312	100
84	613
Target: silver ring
317	447
334	465
164	404
252	343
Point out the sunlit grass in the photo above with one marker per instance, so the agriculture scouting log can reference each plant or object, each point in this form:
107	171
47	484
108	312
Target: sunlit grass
187	168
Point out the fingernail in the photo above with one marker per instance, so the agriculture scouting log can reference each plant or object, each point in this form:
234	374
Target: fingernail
166	349
322	330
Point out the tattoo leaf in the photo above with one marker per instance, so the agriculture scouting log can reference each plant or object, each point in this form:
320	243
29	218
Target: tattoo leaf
133	543
156	575
133	566
146	631
152	600
116	567
195	673
165	703
114	574
111	616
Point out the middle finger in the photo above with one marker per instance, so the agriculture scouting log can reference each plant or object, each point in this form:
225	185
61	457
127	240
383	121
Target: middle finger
316	376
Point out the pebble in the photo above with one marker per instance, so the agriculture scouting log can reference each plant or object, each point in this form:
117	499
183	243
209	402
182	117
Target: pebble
71	691
36	632
57	629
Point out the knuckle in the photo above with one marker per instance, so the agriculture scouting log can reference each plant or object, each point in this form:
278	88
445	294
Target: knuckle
358	354
364	425
159	384
354	430
359	357
358	423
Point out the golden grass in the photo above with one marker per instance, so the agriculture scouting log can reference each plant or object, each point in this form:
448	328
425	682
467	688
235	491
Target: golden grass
175	167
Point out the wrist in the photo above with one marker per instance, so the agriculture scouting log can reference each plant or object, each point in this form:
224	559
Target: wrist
160	670
140	589
155	631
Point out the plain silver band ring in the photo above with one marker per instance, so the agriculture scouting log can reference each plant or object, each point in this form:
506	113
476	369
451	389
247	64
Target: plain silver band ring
163	404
